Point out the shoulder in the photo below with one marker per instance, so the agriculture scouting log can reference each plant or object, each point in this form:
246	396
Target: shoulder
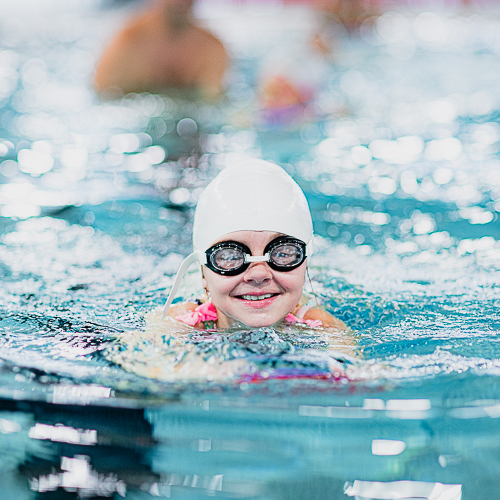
188	313
182	308
329	321
136	28
305	303
210	41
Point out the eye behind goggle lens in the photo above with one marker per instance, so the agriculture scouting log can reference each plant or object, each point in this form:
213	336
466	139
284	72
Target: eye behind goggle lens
287	255
227	259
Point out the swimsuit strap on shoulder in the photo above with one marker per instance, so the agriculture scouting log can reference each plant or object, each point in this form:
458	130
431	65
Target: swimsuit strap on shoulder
302	311
204	313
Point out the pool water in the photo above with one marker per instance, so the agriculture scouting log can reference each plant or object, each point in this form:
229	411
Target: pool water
397	151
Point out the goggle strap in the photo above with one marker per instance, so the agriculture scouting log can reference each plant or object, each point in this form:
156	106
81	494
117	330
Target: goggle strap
190	259
309	248
202	257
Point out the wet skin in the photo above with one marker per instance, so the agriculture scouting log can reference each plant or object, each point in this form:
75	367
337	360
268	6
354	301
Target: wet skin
259	296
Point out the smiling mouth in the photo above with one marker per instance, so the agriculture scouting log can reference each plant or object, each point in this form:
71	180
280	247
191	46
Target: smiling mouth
258	297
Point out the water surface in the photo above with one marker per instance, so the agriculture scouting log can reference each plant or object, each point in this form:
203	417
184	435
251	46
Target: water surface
399	160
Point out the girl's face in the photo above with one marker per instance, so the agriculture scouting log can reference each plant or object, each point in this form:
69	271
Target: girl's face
258	296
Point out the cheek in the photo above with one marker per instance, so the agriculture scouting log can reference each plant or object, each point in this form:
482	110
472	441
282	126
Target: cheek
219	286
292	282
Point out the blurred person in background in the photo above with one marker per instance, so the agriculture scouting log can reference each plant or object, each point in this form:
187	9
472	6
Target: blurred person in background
292	75
162	47
349	13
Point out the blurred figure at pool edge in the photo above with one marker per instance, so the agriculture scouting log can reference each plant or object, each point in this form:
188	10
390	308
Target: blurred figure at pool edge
162	48
349	13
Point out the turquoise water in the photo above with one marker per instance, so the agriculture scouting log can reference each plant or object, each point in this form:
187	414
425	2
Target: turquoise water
398	156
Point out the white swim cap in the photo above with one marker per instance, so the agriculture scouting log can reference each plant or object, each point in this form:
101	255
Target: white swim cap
254	195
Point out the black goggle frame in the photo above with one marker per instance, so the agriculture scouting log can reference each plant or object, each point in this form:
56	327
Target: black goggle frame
248	259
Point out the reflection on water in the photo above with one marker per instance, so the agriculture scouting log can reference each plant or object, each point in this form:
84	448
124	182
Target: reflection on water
230	448
402	489
397	150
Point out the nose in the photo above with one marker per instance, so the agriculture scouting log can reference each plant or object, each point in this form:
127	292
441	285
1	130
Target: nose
258	272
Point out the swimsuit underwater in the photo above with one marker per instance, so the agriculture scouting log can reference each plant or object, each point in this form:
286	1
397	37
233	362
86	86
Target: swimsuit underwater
207	314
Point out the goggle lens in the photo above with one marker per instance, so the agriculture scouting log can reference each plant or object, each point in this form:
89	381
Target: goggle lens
227	259
286	255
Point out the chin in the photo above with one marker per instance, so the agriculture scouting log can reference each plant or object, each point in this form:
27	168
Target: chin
260	322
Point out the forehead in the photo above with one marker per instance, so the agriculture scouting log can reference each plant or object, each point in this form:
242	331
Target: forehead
250	238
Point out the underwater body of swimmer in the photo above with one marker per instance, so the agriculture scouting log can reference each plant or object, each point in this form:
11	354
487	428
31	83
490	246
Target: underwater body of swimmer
252	234
162	48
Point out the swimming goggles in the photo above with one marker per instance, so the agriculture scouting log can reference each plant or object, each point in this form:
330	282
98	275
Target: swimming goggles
231	258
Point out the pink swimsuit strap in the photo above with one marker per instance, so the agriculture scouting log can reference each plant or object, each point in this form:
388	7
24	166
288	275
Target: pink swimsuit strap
205	312
313	323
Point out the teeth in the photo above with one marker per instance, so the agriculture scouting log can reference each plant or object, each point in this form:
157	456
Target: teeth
257	297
